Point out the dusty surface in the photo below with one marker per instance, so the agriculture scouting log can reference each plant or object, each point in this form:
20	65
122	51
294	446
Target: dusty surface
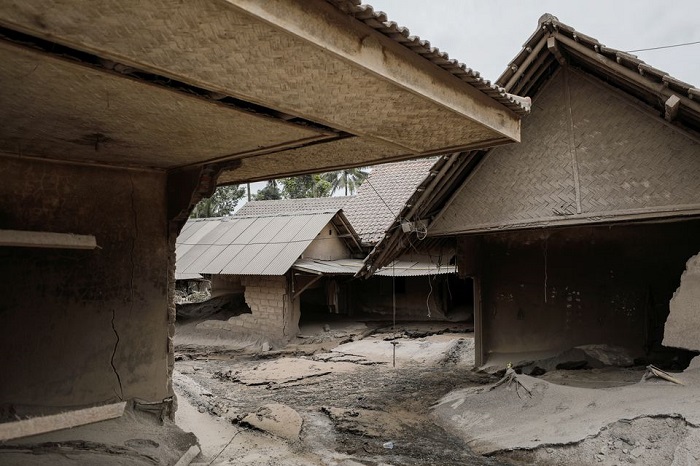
351	399
356	408
134	439
654	420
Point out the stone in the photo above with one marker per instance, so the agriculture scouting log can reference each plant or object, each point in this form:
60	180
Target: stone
637	452
683	320
265	347
277	419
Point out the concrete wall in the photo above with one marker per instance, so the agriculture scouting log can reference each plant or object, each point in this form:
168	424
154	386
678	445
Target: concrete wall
273	314
84	327
549	290
327	246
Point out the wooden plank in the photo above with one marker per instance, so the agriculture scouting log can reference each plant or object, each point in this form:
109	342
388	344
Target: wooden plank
189	456
44	424
44	239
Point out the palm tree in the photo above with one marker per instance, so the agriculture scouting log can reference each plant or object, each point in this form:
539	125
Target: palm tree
350	179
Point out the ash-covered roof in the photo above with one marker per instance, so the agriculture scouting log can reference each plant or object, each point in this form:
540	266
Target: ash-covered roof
252	245
378	21
286	206
551	46
383	195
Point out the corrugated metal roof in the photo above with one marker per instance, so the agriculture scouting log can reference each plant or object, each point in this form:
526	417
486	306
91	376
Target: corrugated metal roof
247	245
352	266
383	195
287	206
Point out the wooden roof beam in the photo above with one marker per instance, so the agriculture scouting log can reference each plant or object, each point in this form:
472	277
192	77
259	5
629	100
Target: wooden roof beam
672	105
625	73
552	47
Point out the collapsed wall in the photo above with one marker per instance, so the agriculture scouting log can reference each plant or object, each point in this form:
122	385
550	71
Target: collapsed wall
81	327
274	314
683	323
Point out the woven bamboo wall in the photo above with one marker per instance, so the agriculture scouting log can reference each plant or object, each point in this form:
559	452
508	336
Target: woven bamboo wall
60	109
623	161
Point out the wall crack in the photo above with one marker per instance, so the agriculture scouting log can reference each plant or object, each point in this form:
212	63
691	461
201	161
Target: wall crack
114	353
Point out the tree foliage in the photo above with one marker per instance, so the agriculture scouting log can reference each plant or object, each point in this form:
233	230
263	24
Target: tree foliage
222	202
305	186
349	179
271	191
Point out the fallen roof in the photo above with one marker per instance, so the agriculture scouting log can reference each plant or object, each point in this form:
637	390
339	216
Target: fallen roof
383	195
169	85
287	206
352	266
264	245
551	46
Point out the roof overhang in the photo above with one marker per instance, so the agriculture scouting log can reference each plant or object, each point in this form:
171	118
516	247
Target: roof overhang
399	268
273	88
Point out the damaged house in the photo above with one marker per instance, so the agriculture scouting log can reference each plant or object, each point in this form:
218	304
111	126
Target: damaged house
254	255
580	233
296	259
115	121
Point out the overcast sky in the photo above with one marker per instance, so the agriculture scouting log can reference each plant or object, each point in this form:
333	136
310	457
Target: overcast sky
486	35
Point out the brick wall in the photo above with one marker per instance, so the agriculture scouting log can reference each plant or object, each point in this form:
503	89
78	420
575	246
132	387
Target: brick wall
273	316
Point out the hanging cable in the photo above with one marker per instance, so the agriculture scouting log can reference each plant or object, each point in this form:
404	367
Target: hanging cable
664	47
380	197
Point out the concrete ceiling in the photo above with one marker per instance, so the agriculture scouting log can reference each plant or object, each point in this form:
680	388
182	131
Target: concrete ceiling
288	87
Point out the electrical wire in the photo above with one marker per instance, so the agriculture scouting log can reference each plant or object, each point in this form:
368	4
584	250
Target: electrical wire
380	197
664	47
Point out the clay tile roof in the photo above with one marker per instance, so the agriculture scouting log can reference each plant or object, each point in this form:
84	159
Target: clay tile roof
383	196
378	21
286	206
537	60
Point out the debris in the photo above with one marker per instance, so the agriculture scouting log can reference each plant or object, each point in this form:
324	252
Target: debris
511	377
43	424
388	445
326	328
276	418
265	347
189	455
653	371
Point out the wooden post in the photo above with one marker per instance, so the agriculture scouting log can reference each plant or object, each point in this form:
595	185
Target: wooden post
44	424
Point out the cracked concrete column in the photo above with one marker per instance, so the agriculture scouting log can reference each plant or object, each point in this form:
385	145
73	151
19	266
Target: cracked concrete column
683	323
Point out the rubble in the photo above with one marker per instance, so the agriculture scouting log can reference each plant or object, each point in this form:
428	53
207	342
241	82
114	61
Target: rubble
558	414
277	419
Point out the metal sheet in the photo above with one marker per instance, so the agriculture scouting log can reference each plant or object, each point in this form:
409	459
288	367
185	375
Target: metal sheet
248	246
352	266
